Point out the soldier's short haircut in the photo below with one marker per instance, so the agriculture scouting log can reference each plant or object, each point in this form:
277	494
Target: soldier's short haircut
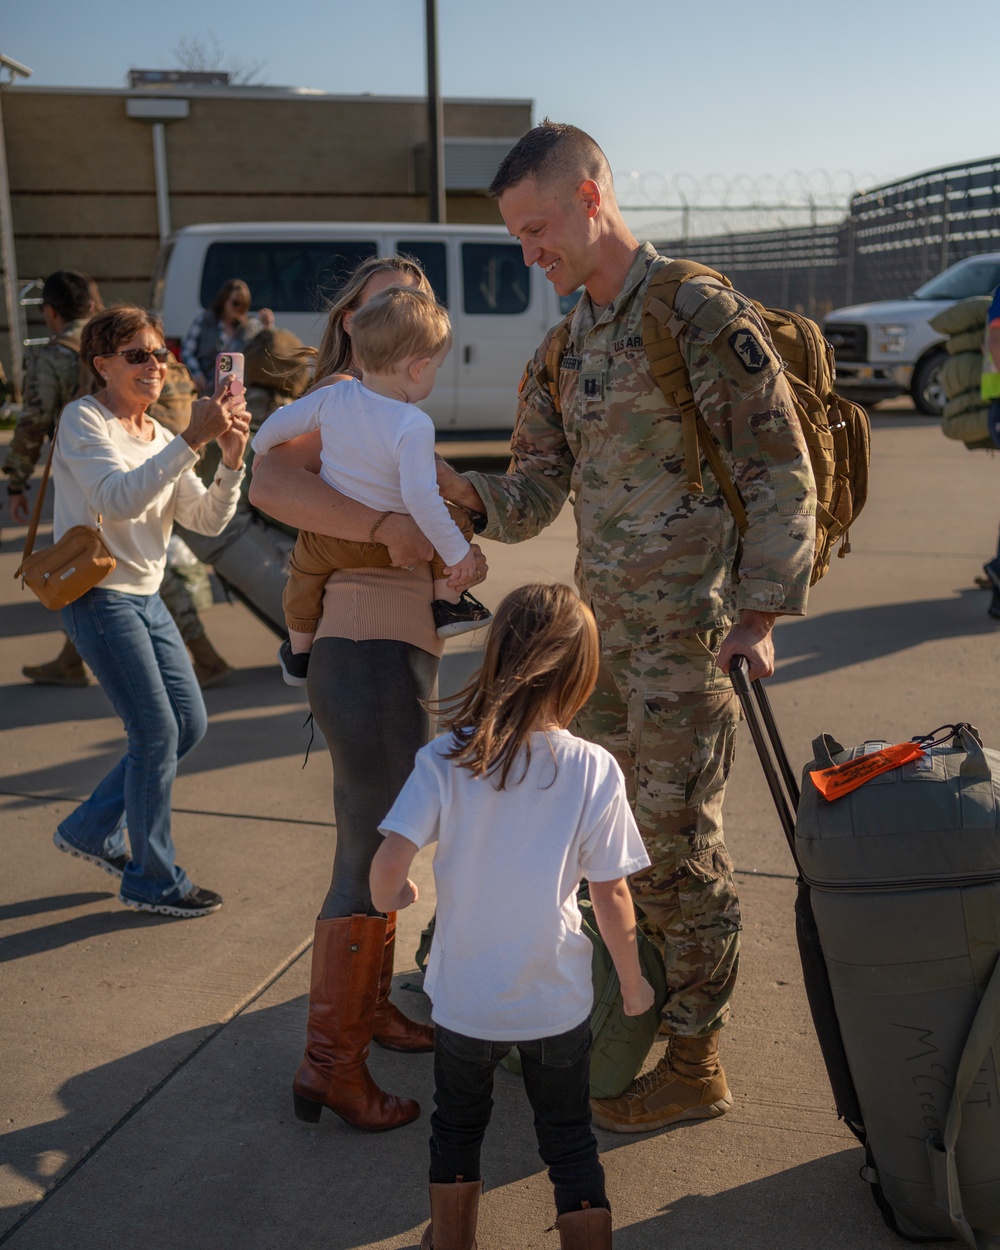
397	325
552	152
107	330
69	293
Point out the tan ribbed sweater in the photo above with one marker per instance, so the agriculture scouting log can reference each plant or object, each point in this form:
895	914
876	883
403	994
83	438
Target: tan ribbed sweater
362	604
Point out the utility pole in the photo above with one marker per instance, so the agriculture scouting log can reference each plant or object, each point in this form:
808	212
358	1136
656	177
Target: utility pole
7	258
435	121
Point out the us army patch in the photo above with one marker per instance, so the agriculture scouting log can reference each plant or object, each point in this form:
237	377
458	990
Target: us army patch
747	347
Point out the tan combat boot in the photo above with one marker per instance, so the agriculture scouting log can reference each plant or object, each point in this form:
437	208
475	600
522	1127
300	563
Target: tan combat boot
65	670
454	1216
209	666
588	1229
689	1084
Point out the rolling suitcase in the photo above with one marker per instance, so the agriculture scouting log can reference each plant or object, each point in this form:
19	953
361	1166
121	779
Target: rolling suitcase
898	928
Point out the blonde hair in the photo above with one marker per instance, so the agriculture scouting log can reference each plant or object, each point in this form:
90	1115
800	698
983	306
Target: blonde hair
397	325
336	352
540	663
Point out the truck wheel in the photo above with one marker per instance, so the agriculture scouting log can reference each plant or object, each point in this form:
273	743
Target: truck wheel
926	389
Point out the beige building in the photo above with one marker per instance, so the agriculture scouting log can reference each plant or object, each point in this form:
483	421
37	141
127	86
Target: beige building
98	176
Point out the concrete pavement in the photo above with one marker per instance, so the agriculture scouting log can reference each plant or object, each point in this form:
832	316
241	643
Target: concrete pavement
145	1096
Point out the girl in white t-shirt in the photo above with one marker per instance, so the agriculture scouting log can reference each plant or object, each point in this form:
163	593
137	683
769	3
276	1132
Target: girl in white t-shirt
521	810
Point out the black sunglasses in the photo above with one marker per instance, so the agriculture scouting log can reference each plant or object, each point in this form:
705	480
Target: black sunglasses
139	355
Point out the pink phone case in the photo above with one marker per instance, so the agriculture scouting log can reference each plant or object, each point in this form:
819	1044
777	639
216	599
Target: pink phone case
230	365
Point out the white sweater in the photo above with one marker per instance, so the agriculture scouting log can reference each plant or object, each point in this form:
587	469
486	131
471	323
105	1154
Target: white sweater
377	451
138	488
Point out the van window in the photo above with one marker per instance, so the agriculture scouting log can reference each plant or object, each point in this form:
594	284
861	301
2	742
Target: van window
286	276
432	260
495	278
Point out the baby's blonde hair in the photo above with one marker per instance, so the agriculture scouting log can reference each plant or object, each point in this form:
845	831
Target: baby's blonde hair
398	324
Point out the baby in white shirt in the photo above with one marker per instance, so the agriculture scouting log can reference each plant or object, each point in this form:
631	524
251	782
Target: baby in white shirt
378	448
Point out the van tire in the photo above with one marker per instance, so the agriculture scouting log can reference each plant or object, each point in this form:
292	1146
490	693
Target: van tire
925	388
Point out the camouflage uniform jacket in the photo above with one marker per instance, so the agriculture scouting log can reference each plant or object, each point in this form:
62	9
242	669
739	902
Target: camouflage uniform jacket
655	560
52	379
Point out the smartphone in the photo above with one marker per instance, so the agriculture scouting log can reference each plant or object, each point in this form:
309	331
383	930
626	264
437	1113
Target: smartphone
230	366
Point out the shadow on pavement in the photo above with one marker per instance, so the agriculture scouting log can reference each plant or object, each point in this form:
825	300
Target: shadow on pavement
225	1141
822	1204
857	635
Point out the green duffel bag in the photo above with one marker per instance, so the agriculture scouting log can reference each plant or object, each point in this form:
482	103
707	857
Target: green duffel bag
967	314
619	1043
904	885
961	374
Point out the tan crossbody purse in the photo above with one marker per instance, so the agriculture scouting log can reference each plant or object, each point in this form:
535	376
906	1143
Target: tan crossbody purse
69	568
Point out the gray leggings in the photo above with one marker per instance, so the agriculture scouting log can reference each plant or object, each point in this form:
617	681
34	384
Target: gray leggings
365	697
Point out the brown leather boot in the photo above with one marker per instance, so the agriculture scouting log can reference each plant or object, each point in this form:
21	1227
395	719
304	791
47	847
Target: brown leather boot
346	964
689	1084
587	1229
392	1029
65	670
454	1215
209	666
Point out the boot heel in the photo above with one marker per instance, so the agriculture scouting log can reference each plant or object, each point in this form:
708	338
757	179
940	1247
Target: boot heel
306	1109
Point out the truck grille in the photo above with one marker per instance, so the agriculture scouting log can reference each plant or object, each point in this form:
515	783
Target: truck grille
849	341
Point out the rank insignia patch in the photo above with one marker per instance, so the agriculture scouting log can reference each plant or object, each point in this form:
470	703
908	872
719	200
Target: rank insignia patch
749	350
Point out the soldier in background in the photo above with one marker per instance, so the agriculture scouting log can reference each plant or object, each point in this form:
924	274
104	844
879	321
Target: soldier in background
51	380
656	564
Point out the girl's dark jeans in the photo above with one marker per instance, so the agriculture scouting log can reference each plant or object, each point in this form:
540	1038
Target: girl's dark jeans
557	1082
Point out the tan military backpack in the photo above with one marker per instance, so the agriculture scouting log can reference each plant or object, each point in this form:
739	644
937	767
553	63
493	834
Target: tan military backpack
837	432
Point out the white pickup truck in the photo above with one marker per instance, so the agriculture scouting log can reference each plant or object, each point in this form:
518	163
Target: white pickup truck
887	348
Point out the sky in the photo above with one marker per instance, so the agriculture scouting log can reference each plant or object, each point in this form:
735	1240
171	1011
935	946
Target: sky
855	92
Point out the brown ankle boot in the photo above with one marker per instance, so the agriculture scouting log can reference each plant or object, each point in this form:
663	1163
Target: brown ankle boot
689	1084
587	1229
454	1215
209	666
346	964
392	1029
65	670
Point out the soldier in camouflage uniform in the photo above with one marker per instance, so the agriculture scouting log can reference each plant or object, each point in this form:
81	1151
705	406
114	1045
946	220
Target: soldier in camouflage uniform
656	564
51	380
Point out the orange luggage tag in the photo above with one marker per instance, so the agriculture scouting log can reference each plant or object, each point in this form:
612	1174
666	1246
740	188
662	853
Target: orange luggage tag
841	779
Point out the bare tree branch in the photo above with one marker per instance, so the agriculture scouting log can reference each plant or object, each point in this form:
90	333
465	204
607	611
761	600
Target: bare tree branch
203	54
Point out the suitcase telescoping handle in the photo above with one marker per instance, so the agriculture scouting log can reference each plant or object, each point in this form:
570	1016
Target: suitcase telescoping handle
773	759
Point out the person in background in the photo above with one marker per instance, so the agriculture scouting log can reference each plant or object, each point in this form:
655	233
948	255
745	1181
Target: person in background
51	380
227	325
113	461
520	810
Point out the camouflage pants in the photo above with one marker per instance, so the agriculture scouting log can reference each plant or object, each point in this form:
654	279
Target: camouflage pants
669	717
184	590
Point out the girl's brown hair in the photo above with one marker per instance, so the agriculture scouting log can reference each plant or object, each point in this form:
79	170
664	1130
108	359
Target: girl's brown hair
539	665
105	332
334	355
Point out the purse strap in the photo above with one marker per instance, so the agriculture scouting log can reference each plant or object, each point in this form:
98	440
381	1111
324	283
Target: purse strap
36	512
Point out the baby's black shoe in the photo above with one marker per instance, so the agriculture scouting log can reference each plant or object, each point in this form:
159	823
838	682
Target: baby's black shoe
459	618
294	666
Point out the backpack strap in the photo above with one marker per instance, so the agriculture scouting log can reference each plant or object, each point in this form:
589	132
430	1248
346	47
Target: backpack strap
548	375
669	370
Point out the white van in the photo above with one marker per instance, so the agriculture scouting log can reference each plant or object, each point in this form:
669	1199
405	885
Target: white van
500	309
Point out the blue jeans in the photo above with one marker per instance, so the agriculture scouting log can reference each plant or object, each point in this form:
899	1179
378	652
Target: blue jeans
136	653
557	1082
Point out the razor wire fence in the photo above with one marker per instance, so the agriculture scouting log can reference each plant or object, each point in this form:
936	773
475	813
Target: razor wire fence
815	242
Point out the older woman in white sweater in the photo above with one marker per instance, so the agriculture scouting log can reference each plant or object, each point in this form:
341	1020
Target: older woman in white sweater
115	466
